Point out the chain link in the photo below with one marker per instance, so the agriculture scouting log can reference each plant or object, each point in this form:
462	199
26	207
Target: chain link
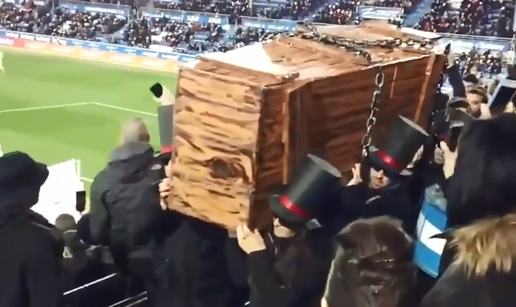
357	47
379	80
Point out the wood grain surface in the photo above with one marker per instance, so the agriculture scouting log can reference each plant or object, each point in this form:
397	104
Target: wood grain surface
240	133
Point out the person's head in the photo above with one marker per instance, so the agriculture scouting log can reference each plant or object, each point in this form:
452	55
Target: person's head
65	222
470	81
284	229
377	178
134	130
372	265
484	178
21	179
475	98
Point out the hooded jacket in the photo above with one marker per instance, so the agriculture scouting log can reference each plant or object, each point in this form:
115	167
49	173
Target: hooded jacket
30	256
125	205
482	272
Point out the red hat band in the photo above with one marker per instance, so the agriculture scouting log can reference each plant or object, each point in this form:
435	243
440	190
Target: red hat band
389	161
293	208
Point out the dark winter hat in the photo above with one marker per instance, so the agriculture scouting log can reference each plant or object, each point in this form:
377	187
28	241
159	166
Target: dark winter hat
19	173
297	204
400	146
471	78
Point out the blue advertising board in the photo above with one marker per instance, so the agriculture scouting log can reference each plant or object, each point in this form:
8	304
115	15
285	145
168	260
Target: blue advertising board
269	24
180	57
122	10
183	16
379	12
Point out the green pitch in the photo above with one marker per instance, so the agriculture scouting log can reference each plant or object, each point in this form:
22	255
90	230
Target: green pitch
56	108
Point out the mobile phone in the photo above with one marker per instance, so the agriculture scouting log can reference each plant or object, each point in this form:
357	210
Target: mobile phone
157	90
80	201
502	95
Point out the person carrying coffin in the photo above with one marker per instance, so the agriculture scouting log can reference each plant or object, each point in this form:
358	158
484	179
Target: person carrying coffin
382	185
288	265
126	214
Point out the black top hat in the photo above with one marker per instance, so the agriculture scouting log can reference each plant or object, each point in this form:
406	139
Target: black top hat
18	174
303	194
399	148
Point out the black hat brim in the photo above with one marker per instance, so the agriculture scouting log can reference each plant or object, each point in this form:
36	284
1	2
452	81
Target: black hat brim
377	160
41	175
282	212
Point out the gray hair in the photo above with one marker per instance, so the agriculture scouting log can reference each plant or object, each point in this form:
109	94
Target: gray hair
134	130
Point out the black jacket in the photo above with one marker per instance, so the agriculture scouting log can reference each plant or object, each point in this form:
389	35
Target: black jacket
125	198
302	284
30	267
360	201
483	274
125	205
198	263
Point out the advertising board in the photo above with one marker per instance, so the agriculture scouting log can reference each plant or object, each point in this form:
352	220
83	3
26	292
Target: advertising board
103	56
121	10
379	12
148	58
186	17
179	57
269	24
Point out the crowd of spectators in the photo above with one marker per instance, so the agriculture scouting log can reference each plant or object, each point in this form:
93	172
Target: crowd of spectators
484	64
60	22
472	17
340	12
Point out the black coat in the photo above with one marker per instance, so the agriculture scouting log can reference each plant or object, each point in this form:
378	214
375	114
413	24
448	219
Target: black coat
30	261
271	285
484	274
198	262
125	211
361	201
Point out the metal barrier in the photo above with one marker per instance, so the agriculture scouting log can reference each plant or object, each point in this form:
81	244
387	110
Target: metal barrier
126	302
132	301
90	284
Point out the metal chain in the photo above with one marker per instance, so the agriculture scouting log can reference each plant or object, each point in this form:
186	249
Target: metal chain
379	80
358	47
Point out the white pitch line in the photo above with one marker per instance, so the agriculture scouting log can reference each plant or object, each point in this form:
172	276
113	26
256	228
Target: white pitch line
57	106
86	179
123	109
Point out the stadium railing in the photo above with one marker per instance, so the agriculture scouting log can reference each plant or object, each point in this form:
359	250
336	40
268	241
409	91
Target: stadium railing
112	290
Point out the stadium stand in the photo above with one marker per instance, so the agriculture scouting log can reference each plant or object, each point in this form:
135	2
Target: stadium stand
470	17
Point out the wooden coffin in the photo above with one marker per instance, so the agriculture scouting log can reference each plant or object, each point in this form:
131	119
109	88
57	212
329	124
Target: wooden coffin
246	119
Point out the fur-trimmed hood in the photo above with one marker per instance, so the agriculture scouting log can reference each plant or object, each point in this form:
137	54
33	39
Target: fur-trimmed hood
486	244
